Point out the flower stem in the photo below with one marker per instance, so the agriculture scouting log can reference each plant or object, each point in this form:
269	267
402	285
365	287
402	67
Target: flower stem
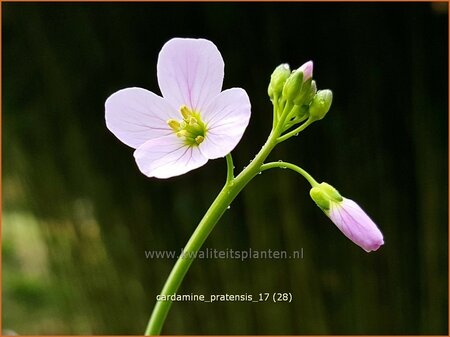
284	165
184	261
295	131
231	189
230	168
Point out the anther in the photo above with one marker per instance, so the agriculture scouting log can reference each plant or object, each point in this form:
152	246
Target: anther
192	121
199	139
173	124
182	133
185	112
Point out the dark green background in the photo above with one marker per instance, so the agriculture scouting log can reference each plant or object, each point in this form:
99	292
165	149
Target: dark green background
78	215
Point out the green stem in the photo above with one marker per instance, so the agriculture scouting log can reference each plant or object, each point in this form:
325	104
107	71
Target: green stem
204	228
230	168
295	131
284	165
291	124
275	111
286	110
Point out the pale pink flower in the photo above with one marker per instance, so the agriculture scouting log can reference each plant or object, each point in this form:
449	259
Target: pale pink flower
192	122
355	224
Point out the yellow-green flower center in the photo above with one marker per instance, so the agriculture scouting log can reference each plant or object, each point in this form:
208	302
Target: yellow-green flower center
191	128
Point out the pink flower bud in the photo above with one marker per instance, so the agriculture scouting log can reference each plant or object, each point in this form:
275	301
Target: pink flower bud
348	217
307	70
355	224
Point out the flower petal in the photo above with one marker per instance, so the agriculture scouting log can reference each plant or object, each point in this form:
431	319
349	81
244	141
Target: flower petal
226	117
307	69
356	224
190	72
136	115
167	157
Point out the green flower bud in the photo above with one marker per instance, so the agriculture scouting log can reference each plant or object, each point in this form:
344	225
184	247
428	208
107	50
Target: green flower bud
293	86
278	79
297	86
312	92
320	104
300	99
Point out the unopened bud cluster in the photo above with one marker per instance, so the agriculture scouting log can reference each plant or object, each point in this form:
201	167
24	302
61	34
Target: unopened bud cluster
295	95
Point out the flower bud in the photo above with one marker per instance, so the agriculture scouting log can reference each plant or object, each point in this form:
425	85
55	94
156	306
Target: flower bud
307	70
301	97
324	194
293	86
346	214
320	198
277	79
320	104
298	85
312	92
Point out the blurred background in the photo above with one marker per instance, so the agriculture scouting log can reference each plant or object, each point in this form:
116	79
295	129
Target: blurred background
78	215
